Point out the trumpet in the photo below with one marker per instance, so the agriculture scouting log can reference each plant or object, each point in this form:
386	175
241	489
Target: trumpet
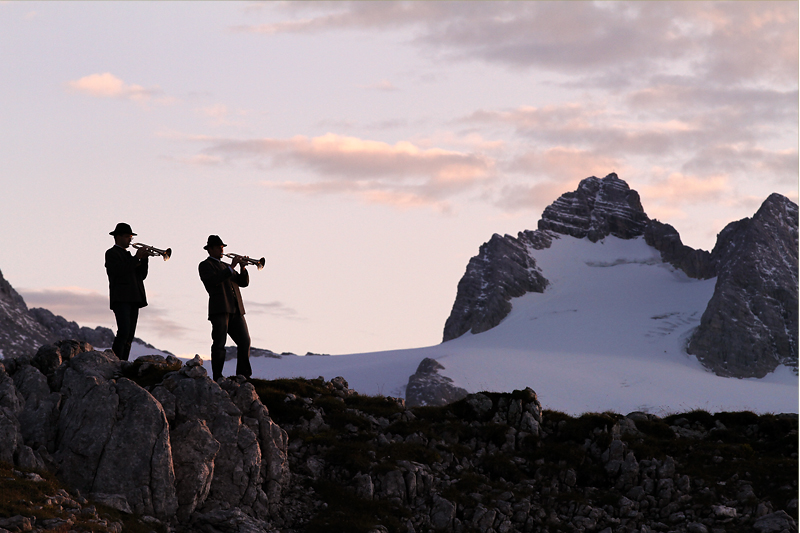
151	251
258	263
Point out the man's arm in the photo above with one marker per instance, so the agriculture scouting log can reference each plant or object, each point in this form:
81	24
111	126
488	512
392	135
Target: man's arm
211	276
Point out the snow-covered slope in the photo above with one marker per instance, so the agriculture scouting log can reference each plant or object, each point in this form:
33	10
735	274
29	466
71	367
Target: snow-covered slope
608	333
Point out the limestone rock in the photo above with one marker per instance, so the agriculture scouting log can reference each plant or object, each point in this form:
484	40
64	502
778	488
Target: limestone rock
192	396
99	420
194	449
428	387
503	269
751	323
598	208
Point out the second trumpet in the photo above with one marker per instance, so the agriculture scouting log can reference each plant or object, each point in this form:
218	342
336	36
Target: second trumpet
258	263
152	251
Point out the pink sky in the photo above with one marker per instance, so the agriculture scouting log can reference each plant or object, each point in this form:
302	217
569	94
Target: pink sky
367	149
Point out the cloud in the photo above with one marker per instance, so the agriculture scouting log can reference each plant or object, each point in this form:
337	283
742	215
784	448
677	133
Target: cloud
678	189
157	319
84	306
727	41
107	85
276	309
90	309
401	174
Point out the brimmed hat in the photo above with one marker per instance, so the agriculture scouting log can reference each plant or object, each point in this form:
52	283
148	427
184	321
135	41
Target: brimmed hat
122	229
213	240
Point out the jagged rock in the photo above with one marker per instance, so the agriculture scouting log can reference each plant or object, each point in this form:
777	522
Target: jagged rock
10	436
749	327
237	480
598	208
20	333
696	264
61	328
427	387
194	449
10	397
751	323
39	417
99	421
503	269
50	356
442	513
775	523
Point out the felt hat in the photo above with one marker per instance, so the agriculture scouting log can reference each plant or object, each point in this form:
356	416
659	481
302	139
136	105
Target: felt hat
122	229
213	240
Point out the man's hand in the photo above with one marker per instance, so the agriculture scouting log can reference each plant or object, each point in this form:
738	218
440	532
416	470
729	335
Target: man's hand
141	253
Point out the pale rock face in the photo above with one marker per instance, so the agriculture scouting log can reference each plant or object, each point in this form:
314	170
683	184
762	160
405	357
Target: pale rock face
98	421
194	450
229	420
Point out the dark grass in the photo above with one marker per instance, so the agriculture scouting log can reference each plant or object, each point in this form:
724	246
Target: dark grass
347	513
20	496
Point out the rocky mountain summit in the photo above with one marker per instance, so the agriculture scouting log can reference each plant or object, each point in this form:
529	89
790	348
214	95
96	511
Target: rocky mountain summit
751	323
171	450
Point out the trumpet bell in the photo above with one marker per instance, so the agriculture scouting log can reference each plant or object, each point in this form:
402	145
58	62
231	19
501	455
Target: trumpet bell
167	254
260	263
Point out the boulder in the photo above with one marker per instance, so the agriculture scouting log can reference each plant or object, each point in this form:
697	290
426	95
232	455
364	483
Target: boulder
428	387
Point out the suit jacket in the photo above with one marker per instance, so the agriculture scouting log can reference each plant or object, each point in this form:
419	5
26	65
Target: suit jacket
126	276
222	284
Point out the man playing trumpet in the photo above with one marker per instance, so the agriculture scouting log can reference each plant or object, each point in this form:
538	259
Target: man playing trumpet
225	306
126	275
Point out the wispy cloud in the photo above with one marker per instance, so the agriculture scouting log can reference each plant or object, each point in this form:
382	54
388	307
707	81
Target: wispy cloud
107	85
730	41
90	309
401	174
276	309
84	306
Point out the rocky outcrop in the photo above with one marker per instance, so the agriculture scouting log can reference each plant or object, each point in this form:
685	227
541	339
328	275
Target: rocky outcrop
61	328
696	264
488	462
503	269
497	462
751	323
427	387
598	208
23	330
20	333
186	449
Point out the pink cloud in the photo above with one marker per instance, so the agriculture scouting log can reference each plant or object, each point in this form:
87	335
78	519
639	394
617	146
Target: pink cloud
107	85
680	189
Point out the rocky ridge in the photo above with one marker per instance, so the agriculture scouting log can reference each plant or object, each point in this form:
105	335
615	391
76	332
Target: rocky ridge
23	330
164	444
751	323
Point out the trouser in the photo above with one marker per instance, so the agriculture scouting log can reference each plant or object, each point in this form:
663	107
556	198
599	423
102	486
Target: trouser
127	315
235	326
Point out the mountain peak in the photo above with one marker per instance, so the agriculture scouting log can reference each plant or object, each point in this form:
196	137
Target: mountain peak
598	208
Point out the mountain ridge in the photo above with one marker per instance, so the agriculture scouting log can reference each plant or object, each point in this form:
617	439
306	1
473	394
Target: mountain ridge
506	268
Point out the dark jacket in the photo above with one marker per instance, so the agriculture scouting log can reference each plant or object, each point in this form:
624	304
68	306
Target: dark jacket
222	284
126	276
